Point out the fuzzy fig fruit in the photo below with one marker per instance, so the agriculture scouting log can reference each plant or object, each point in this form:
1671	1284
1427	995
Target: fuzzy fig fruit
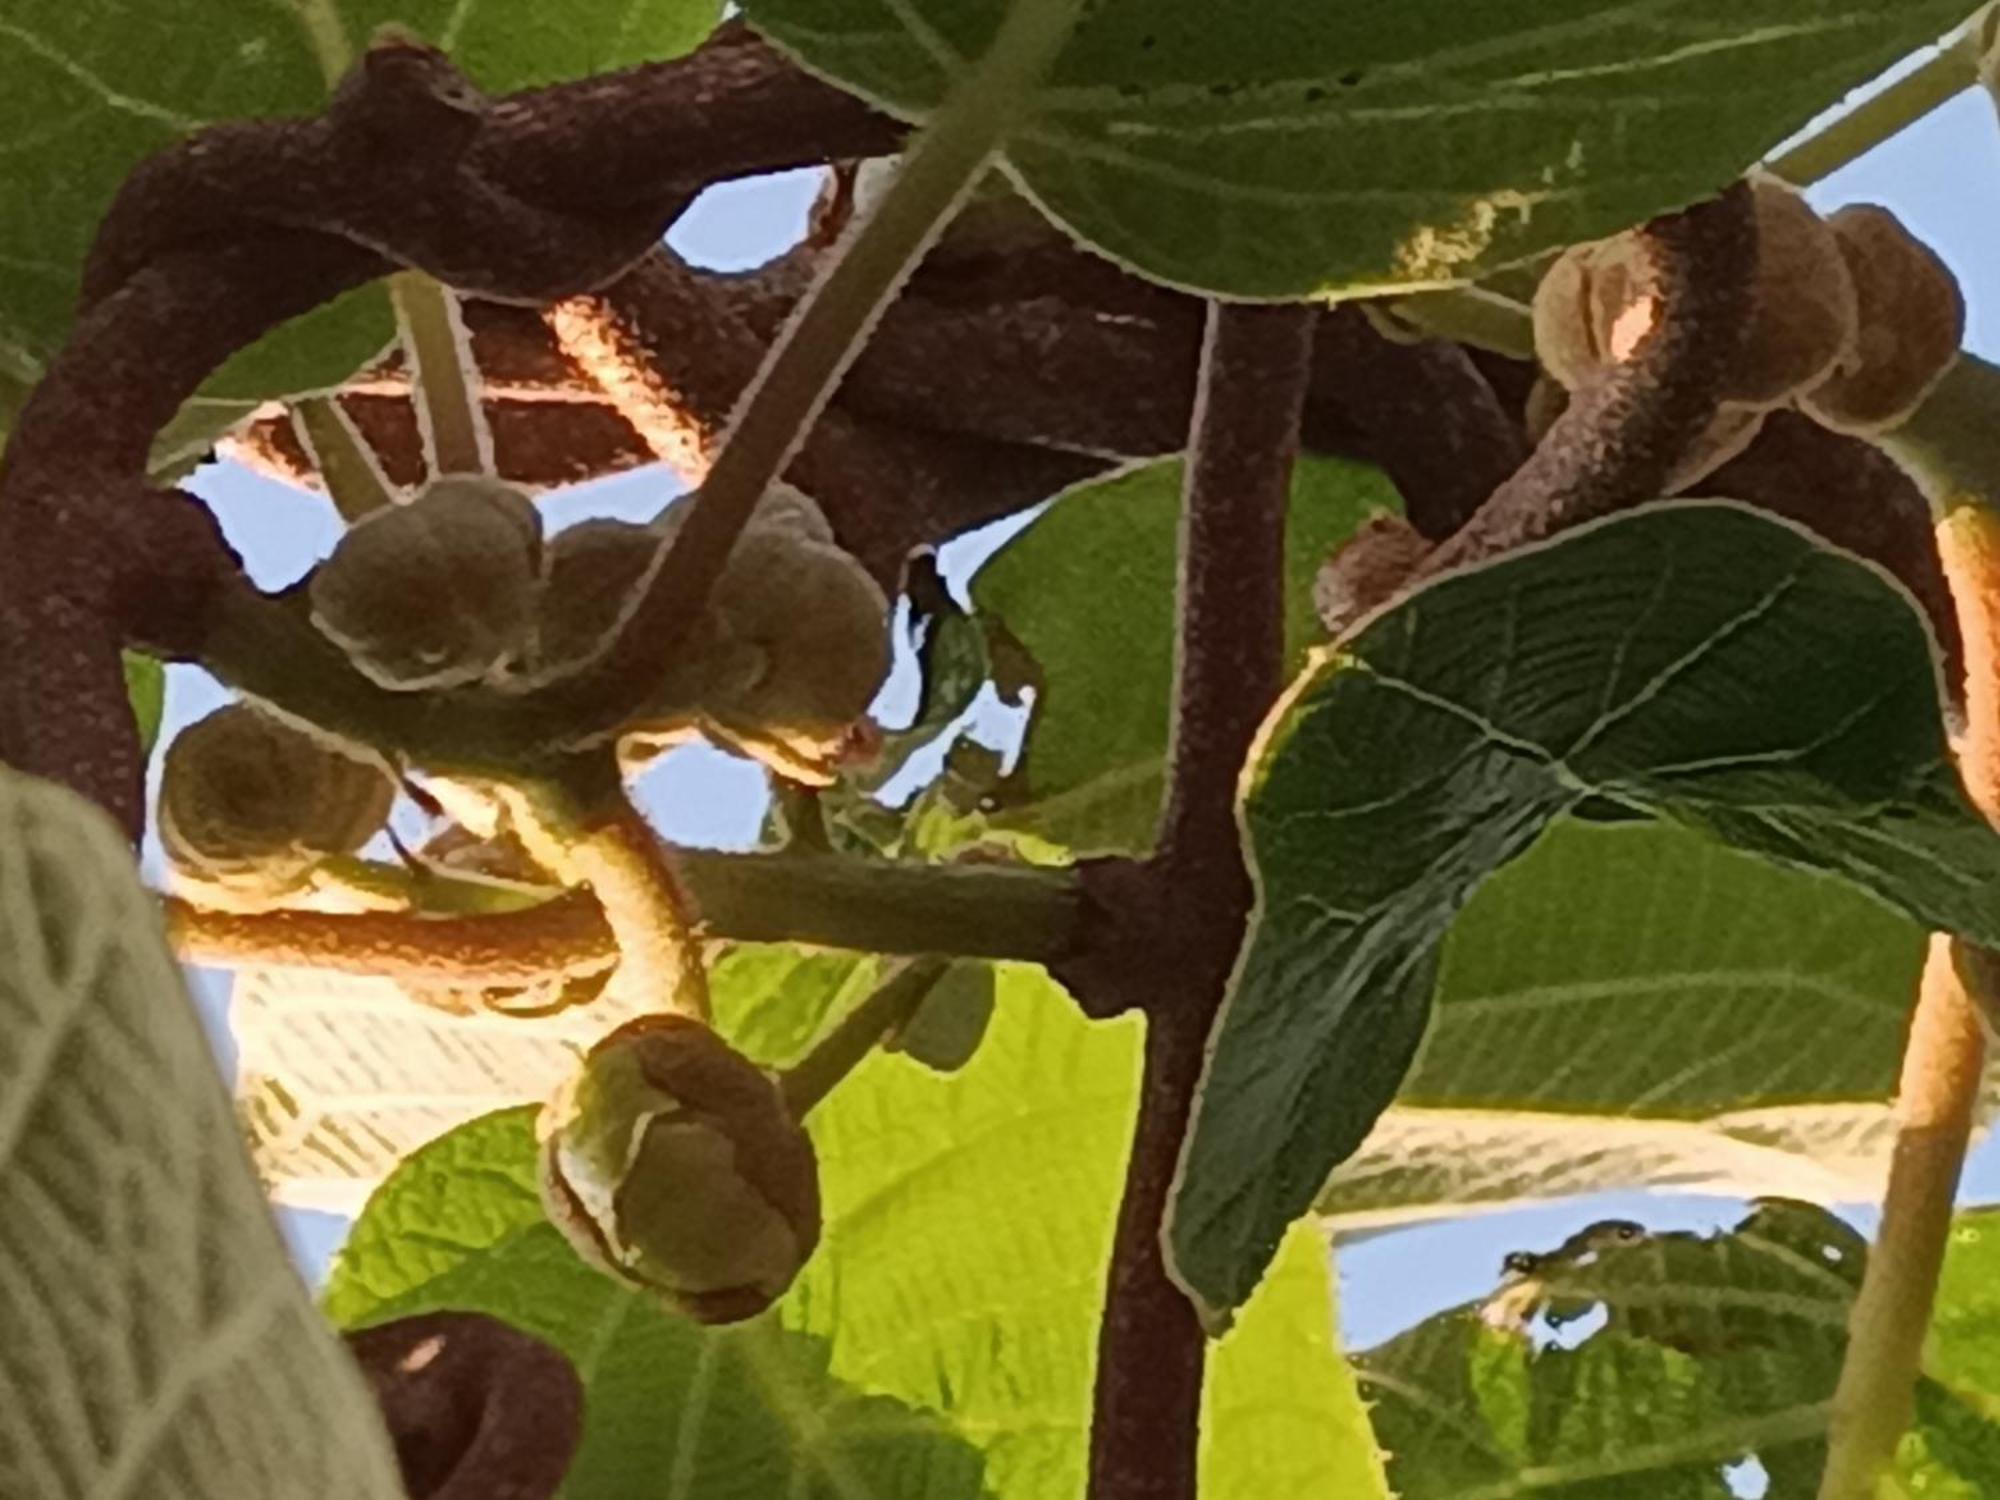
1590	311
1802	307
592	567
250	805
807	632
1910	317
438	592
672	1163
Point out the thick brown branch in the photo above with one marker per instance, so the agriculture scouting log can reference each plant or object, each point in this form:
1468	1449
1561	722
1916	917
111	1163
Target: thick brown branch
669	351
1422	411
1621	437
1230	646
244	226
529	197
1194	900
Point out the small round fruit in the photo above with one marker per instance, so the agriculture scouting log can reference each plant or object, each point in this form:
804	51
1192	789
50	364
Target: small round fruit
1565	334
672	1163
1803	315
806	636
592	568
438	592
1910	318
250	805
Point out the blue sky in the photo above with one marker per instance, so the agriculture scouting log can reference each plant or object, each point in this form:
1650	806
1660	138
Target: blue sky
1942	177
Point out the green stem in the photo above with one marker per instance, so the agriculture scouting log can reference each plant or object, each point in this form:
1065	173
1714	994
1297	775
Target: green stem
857	1033
1943	1062
354	481
1000	912
431	891
1880	116
594	837
1951	444
443	378
817	345
885	906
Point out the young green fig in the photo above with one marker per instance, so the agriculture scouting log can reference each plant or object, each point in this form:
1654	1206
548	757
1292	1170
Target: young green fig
438	592
250	805
672	1163
807	647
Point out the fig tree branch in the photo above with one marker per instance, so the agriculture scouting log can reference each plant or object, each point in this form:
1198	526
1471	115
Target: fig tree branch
1192	901
971	911
216	241
1620	437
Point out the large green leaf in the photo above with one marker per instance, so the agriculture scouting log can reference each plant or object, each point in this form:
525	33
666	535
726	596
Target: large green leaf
1089	589
1636	1005
1311	146
941	1341
87	90
158	1343
1712	1350
1702	661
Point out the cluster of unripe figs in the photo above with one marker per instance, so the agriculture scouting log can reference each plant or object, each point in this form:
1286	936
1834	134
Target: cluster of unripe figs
458	586
1852	319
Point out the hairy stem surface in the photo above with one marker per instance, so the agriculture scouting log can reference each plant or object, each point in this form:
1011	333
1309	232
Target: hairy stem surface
1939	1087
822	339
969	911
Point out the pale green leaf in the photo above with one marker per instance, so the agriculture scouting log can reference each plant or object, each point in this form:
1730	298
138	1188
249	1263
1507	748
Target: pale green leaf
158	1342
1280	1414
340	1076
1307	148
941	1341
1089	590
1964	1347
1704	662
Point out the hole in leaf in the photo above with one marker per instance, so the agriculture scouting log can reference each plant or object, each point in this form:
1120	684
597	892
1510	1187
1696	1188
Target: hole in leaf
1747	1478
